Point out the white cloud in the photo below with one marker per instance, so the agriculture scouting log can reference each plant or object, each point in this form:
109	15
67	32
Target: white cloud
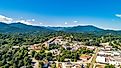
75	21
66	23
27	20
118	15
40	23
5	19
24	21
8	20
33	19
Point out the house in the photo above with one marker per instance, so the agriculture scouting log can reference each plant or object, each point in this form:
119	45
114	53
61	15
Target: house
114	63
90	47
108	48
101	59
34	47
116	53
60	65
84	57
55	52
15	47
101	53
102	49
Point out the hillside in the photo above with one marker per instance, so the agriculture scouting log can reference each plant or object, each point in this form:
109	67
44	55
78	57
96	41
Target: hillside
88	28
20	27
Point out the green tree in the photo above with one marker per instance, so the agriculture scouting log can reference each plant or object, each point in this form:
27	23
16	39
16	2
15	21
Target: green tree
1	63
109	66
33	53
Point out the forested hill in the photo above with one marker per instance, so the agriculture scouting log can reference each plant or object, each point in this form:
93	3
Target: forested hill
20	27
87	28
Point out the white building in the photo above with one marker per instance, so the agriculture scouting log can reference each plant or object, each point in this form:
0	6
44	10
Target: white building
116	53
101	59
101	53
114	63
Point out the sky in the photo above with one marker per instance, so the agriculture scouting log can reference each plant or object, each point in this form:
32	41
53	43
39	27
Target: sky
105	14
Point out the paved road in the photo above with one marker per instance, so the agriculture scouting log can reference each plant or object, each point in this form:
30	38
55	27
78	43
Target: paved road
94	58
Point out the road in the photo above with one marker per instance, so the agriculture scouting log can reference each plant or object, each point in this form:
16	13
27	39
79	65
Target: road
94	58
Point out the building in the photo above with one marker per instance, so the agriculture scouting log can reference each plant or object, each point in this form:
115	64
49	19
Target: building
116	53
15	47
108	48
101	53
101	59
90	47
84	57
69	65
34	47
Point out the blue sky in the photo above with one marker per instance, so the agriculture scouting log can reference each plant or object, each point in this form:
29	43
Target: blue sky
102	13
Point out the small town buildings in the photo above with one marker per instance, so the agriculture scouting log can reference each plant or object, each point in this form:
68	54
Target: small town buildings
109	55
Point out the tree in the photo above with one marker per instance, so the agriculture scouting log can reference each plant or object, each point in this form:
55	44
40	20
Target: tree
42	51
109	66
4	62
41	64
62	59
49	54
53	65
29	66
11	67
11	62
33	53
37	56
1	63
6	66
26	60
20	63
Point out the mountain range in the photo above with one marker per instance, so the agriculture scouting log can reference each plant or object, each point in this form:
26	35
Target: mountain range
20	27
